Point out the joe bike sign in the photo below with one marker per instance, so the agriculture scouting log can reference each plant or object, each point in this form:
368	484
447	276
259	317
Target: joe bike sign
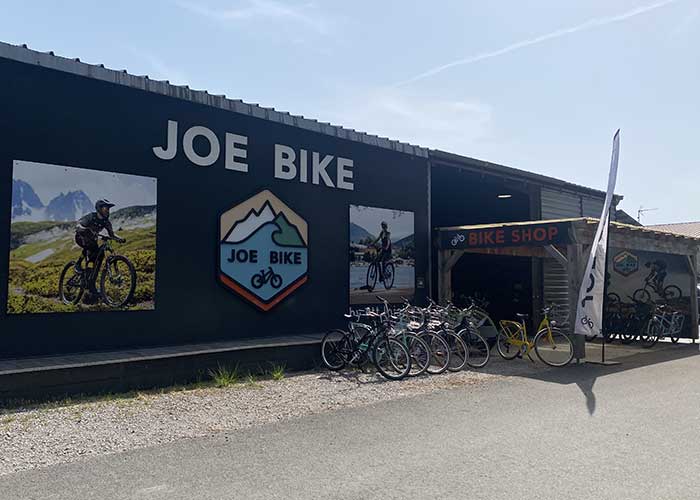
263	250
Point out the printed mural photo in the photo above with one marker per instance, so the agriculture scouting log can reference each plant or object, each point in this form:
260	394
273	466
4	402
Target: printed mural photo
382	255
81	240
641	279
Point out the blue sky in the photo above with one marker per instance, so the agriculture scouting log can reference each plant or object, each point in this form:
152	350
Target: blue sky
539	85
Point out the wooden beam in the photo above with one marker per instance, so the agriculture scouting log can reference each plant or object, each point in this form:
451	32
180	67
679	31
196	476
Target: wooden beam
638	239
554	252
524	251
454	256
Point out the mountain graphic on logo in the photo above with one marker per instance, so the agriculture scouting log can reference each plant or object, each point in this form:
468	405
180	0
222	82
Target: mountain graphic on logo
252	222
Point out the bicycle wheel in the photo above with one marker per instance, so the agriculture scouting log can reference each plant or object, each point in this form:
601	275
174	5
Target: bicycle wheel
509	345
554	347
389	271
614	301
371	276
392	359
257	281
276	281
459	353
479	351
336	348
118	281
641	295
419	351
672	292
70	285
439	352
650	335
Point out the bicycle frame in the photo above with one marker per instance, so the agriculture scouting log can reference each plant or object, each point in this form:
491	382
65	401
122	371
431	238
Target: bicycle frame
517	332
671	322
102	250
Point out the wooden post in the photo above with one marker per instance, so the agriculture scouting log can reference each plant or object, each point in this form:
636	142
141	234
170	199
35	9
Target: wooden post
537	289
575	268
446	261
442	276
693	261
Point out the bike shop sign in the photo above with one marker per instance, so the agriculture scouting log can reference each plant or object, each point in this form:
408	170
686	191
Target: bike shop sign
263	250
505	236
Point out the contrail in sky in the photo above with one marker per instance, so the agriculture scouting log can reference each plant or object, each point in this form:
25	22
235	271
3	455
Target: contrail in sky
593	23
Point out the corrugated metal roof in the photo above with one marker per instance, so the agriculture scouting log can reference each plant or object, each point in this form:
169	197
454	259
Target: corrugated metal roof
496	169
122	77
100	72
691	229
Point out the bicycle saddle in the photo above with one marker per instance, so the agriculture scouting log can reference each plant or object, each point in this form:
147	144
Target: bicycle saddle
522	315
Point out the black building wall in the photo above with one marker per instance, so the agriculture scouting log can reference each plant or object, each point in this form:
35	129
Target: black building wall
59	118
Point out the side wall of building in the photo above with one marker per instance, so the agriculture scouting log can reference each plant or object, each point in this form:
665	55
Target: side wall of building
56	118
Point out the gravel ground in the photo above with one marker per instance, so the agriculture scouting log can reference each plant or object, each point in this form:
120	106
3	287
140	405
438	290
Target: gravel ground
38	437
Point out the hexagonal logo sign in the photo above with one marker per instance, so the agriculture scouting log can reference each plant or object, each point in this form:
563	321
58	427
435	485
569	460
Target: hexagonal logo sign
626	263
263	250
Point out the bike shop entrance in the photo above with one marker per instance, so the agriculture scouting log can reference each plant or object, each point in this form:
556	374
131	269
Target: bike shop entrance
460	195
643	265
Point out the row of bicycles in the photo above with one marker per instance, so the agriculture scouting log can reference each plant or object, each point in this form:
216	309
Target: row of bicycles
641	321
411	340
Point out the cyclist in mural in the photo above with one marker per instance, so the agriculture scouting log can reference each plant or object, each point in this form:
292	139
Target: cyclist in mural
89	227
384	256
657	273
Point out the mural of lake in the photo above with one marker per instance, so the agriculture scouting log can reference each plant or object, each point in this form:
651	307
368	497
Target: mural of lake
405	277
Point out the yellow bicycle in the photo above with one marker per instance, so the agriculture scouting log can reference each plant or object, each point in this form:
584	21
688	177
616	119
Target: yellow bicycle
552	346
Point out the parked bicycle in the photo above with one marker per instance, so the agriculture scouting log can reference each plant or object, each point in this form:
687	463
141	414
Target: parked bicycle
551	345
390	356
663	323
466	324
116	273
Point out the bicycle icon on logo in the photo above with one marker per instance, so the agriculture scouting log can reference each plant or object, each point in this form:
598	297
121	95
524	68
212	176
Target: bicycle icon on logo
459	238
258	280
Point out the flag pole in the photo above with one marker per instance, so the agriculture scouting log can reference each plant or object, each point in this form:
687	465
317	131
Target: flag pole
603	329
593	289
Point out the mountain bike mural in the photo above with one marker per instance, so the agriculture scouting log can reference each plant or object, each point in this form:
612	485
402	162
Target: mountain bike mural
637	280
381	254
263	250
64	257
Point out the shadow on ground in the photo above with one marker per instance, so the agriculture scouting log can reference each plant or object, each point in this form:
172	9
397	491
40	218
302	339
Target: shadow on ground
585	375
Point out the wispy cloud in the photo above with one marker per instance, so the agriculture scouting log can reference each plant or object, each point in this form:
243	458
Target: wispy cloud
592	23
454	124
303	14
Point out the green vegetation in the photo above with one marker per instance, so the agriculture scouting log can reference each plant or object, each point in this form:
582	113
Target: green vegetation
33	288
224	376
277	372
252	381
221	377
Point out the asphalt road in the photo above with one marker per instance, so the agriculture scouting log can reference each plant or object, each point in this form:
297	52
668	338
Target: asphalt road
587	432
